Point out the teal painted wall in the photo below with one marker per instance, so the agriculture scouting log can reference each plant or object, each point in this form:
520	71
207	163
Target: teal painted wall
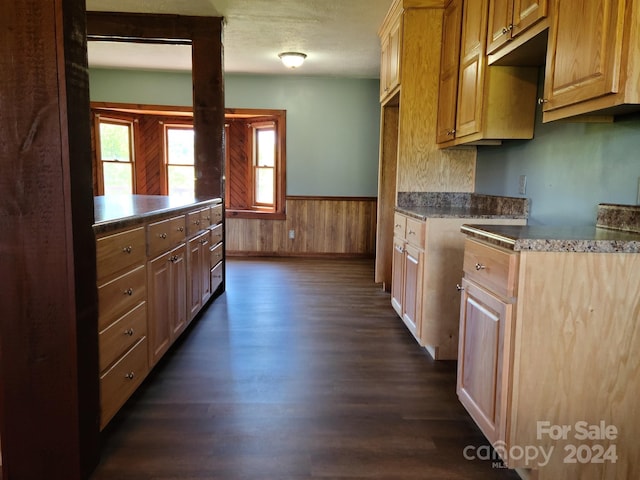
333	124
570	168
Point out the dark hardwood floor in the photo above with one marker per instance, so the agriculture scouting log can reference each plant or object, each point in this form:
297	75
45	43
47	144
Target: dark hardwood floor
301	370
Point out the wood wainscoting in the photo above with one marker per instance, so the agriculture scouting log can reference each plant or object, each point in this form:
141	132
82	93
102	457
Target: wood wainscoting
323	226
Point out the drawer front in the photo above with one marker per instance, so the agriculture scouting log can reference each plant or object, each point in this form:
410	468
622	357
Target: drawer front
216	214
119	251
122	335
399	225
120	295
415	232
216	277
206	220
194	222
121	380
215	254
164	235
216	234
494	268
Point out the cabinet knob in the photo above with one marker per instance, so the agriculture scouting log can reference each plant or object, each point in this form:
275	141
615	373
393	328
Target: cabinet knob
128	291
411	232
451	133
542	101
480	266
163	236
197	222
129	332
129	375
507	29
173	259
181	229
459	287
127	249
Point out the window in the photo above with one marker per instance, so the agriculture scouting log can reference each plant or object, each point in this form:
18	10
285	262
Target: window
116	172
179	160
255	163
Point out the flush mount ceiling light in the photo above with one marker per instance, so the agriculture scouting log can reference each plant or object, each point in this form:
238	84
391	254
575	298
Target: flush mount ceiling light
292	59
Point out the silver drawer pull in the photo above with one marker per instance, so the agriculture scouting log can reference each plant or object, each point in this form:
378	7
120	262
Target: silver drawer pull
127	249
174	259
129	375
398	225
459	287
197	222
129	332
128	291
480	266
411	232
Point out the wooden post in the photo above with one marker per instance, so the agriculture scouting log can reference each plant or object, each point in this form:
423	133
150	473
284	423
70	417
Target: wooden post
48	299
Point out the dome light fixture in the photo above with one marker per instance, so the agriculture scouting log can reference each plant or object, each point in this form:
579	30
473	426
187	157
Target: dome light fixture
292	59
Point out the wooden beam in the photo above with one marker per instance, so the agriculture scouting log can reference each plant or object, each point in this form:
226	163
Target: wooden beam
48	304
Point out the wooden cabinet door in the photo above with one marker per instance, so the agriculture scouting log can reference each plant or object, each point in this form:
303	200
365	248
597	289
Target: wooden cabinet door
472	67
384	67
395	54
194	282
585	51
412	294
526	13
160	307
449	67
500	24
205	268
178	291
484	358
397	274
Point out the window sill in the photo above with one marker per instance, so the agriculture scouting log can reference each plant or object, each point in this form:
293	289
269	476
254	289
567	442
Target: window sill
255	214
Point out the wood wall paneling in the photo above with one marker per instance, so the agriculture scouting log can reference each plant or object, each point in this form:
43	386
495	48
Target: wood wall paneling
338	226
237	185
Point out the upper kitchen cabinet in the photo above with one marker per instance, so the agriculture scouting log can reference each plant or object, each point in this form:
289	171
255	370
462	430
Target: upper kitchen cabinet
593	59
517	30
492	103
390	53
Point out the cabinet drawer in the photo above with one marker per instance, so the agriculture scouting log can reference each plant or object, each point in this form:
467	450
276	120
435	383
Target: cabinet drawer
216	234
118	251
216	277
122	335
399	225
494	268
415	232
162	236
195	222
121	380
120	295
216	214
215	254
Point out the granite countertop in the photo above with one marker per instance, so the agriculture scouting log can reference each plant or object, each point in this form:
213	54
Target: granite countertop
423	205
539	238
120	211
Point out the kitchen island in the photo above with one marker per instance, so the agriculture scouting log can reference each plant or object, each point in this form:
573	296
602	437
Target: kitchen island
159	261
548	365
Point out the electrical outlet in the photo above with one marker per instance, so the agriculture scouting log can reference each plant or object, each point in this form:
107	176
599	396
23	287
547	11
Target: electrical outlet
292	234
522	185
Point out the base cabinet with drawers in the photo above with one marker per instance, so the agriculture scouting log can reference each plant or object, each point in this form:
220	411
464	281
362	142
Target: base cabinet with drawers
549	339
426	266
151	284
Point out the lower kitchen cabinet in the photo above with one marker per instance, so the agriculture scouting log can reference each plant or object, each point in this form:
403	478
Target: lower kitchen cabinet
548	343
167	285
154	276
426	266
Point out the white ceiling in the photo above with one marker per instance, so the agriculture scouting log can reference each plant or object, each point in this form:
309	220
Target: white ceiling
339	36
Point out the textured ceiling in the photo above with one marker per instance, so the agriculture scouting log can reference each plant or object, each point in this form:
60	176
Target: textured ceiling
339	36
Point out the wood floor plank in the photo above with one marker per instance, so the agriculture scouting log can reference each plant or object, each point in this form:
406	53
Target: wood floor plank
301	370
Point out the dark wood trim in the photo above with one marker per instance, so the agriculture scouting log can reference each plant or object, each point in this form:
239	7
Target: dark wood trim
142	109
256	214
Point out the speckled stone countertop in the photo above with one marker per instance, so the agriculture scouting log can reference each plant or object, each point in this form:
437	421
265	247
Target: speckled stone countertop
122	211
539	238
423	205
